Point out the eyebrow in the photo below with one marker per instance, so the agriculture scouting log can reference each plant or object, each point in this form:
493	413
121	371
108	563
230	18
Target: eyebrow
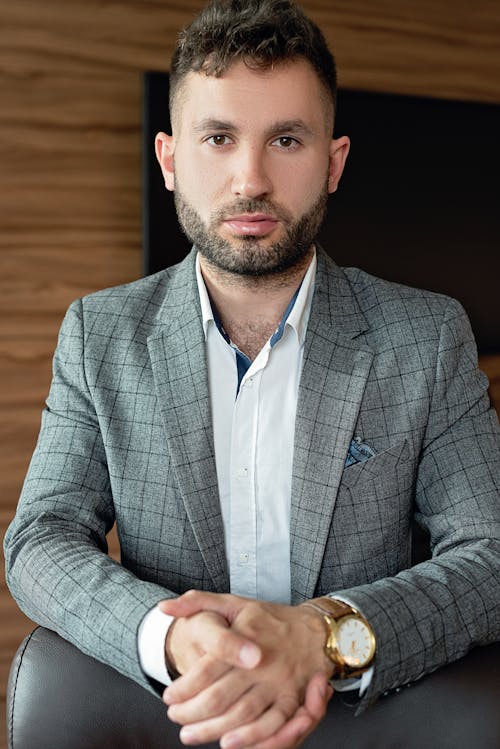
292	127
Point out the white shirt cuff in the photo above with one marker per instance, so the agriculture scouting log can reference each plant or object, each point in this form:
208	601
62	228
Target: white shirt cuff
349	685
151	645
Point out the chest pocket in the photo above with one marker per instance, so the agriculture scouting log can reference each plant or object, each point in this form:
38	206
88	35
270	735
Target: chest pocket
377	468
369	535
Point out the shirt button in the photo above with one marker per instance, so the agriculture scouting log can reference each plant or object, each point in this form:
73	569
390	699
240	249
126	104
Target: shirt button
244	558
243	473
249	382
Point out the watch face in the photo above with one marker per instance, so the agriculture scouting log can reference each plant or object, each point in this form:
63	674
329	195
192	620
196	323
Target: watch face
355	641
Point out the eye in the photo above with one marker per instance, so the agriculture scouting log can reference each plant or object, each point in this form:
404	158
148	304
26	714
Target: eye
218	140
286	142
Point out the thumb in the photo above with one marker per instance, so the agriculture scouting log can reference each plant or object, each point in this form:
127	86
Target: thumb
318	694
214	634
194	601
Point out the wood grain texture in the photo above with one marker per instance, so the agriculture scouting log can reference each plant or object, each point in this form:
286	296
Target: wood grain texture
70	182
491	367
430	47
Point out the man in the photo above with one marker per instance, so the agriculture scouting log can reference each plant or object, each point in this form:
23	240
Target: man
263	427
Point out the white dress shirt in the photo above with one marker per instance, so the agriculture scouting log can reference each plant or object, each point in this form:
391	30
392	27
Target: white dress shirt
254	425
253	438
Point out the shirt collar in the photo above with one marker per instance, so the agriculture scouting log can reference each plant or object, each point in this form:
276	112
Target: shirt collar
298	316
206	308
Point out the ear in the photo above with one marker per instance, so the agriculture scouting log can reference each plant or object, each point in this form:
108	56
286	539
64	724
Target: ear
339	148
164	148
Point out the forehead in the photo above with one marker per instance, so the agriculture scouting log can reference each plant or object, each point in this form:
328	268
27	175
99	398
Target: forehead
287	91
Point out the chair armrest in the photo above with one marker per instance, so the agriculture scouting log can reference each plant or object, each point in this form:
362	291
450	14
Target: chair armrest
59	698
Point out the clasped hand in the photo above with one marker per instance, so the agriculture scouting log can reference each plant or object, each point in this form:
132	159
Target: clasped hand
253	674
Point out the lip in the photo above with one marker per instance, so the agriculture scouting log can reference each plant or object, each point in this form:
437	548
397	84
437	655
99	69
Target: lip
254	224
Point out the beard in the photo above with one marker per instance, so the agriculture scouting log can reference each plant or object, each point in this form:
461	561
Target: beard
248	255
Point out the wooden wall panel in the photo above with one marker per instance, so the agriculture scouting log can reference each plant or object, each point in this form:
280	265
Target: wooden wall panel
491	366
431	47
70	185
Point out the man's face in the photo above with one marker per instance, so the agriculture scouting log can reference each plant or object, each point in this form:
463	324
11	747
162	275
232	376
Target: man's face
252	161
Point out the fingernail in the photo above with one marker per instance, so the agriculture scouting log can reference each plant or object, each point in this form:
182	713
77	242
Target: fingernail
249	655
230	742
186	735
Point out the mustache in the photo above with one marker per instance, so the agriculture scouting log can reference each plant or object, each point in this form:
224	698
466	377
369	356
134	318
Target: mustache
251	205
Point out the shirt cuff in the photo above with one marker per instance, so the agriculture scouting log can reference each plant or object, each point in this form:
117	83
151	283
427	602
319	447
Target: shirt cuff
349	685
151	645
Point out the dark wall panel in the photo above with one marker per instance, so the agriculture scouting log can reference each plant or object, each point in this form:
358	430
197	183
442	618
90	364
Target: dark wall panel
418	202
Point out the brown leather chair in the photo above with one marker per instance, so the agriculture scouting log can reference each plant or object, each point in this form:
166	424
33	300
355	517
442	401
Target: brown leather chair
59	698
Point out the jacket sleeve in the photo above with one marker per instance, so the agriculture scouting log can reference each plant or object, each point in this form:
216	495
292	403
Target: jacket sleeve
57	566
433	613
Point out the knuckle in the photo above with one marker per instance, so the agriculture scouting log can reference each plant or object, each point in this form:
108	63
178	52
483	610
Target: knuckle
181	691
286	705
215	700
219	641
209	669
251	612
248	708
253	608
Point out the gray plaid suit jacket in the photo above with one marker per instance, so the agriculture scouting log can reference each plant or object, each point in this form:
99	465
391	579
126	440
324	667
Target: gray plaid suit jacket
127	437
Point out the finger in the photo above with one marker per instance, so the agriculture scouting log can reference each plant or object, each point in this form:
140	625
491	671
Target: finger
210	634
200	676
224	644
267	725
293	732
247	708
194	601
211	631
218	699
318	694
291	735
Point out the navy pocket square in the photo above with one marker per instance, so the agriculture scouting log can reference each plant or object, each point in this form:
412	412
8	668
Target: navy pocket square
358	452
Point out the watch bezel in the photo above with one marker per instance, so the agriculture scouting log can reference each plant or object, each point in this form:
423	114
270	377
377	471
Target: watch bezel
333	640
344	669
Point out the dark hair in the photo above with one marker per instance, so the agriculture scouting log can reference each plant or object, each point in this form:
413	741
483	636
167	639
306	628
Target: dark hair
259	32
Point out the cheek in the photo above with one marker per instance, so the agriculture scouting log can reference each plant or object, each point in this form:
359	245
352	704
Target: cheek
302	186
199	181
196	190
316	176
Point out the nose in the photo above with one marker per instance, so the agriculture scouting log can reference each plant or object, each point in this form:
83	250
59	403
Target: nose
250	179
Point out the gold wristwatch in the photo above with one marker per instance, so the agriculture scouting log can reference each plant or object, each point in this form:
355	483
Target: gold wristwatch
350	642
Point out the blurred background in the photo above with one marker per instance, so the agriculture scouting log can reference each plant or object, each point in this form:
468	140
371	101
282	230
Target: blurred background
71	74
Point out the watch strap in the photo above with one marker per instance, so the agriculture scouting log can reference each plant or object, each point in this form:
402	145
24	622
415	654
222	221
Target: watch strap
332	607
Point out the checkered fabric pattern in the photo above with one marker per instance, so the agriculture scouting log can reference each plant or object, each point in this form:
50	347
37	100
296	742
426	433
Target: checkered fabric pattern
126	436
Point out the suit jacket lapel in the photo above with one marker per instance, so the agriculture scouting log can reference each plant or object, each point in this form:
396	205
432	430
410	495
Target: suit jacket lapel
333	379
334	375
178	359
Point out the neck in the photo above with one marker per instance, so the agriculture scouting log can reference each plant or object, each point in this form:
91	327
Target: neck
250	307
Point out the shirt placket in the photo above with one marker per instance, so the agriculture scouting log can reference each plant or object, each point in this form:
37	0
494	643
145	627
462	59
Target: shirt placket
245	430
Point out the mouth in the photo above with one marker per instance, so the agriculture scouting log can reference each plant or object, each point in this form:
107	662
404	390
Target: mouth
251	224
